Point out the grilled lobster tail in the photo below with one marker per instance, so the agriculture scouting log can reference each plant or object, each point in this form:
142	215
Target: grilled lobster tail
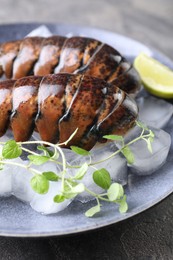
42	56
57	104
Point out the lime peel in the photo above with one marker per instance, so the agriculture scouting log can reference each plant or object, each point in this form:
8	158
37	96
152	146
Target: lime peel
156	77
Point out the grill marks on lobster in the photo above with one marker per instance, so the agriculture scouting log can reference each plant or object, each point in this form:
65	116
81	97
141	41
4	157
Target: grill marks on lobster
42	56
57	104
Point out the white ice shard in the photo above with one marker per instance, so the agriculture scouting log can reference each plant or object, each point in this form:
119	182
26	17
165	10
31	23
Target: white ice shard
154	112
41	31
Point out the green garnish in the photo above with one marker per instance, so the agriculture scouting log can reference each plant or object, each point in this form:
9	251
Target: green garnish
72	185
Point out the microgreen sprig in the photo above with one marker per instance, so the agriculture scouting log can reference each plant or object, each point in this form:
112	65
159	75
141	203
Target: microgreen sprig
71	184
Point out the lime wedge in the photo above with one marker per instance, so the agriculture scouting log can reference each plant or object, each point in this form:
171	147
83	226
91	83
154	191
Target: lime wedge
156	77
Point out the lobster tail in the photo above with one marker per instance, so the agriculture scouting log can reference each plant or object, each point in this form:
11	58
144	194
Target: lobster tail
56	54
57	104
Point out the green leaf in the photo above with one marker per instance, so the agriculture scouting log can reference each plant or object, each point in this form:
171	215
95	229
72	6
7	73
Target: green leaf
69	195
121	191
92	211
40	184
102	178
46	151
113	137
126	151
79	150
115	191
11	150
151	139
38	159
51	176
69	184
152	135
74	188
79	188
71	192
81	172
123	205
59	198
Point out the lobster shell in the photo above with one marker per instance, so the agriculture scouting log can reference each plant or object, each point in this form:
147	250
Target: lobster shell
56	54
55	105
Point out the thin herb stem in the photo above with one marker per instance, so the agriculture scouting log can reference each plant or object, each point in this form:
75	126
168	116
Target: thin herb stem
97	196
28	151
14	163
69	139
32	170
120	149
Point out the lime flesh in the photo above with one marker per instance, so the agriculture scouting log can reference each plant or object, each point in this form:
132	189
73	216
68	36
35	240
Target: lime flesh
156	77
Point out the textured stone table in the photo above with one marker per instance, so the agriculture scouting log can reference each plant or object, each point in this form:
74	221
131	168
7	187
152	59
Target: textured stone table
148	235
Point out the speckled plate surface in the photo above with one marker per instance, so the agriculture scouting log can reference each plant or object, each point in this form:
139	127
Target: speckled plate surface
18	219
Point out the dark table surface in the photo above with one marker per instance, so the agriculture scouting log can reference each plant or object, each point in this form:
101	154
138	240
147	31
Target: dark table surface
148	235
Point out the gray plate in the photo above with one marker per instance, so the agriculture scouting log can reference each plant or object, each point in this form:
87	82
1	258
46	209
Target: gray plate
18	219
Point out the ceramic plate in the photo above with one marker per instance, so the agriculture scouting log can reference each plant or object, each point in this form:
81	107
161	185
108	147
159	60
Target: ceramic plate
18	219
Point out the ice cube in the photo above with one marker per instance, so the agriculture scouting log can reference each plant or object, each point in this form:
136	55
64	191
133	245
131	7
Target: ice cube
5	175
21	187
72	157
14	180
154	111
145	162
5	181
89	183
45	203
117	167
